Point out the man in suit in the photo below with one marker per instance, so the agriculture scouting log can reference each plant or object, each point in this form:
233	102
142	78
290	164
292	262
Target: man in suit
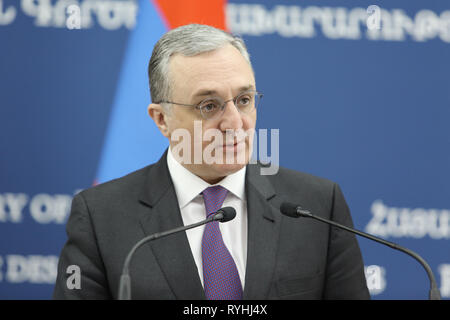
201	77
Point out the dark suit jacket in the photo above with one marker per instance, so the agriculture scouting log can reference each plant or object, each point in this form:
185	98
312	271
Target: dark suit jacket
287	258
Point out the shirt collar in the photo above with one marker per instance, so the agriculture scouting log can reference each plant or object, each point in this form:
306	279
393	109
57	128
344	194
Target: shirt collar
188	185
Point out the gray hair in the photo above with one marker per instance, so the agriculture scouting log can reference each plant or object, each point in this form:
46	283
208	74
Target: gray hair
188	40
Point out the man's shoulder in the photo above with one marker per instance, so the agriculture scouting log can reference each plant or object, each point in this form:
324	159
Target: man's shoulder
131	183
302	177
294	184
293	178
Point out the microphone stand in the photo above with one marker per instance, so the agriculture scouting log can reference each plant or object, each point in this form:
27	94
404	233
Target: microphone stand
125	280
434	291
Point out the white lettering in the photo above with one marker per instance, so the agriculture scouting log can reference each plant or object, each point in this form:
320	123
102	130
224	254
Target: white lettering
338	22
427	25
375	279
59	10
74	280
45	208
40	9
445	26
211	311
405	222
32	268
402	25
74	19
1	266
213	144
77	14
273	160
373	20
444	271
8	15
11	207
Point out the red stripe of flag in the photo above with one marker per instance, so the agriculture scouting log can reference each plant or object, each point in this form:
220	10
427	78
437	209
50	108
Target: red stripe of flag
180	12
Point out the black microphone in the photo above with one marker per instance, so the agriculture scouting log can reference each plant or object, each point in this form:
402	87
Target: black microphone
295	211
222	215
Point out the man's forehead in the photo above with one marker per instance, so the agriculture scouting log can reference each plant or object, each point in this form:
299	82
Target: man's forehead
219	72
220	58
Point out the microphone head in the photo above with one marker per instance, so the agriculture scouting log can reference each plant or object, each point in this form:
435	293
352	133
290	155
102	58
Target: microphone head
289	209
294	211
225	214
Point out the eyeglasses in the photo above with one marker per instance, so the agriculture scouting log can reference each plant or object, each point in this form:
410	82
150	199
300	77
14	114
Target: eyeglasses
212	108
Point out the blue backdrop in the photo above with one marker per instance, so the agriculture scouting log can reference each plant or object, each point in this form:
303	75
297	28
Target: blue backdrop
368	109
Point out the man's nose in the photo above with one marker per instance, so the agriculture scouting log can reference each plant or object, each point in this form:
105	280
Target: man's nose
231	118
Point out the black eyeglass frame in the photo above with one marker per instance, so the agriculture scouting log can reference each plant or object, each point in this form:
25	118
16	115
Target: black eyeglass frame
257	98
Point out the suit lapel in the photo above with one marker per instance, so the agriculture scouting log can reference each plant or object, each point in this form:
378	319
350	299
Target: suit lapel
263	230
173	253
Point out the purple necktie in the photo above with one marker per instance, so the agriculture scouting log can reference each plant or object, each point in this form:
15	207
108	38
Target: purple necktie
220	276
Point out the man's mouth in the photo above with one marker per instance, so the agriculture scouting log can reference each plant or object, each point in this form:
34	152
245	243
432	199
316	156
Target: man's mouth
235	145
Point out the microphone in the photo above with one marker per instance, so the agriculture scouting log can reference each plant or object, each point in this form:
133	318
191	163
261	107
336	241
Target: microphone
294	211
222	215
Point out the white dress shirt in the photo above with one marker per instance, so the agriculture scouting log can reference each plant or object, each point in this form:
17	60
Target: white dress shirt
188	188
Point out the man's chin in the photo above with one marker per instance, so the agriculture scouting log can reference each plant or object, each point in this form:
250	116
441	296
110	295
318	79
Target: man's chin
217	172
227	169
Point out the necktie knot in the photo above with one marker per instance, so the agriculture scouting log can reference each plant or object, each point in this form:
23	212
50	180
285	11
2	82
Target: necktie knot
214	198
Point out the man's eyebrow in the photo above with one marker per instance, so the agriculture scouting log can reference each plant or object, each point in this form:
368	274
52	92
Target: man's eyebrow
246	88
202	93
207	92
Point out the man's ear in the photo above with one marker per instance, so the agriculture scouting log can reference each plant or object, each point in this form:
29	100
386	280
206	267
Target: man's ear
159	115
